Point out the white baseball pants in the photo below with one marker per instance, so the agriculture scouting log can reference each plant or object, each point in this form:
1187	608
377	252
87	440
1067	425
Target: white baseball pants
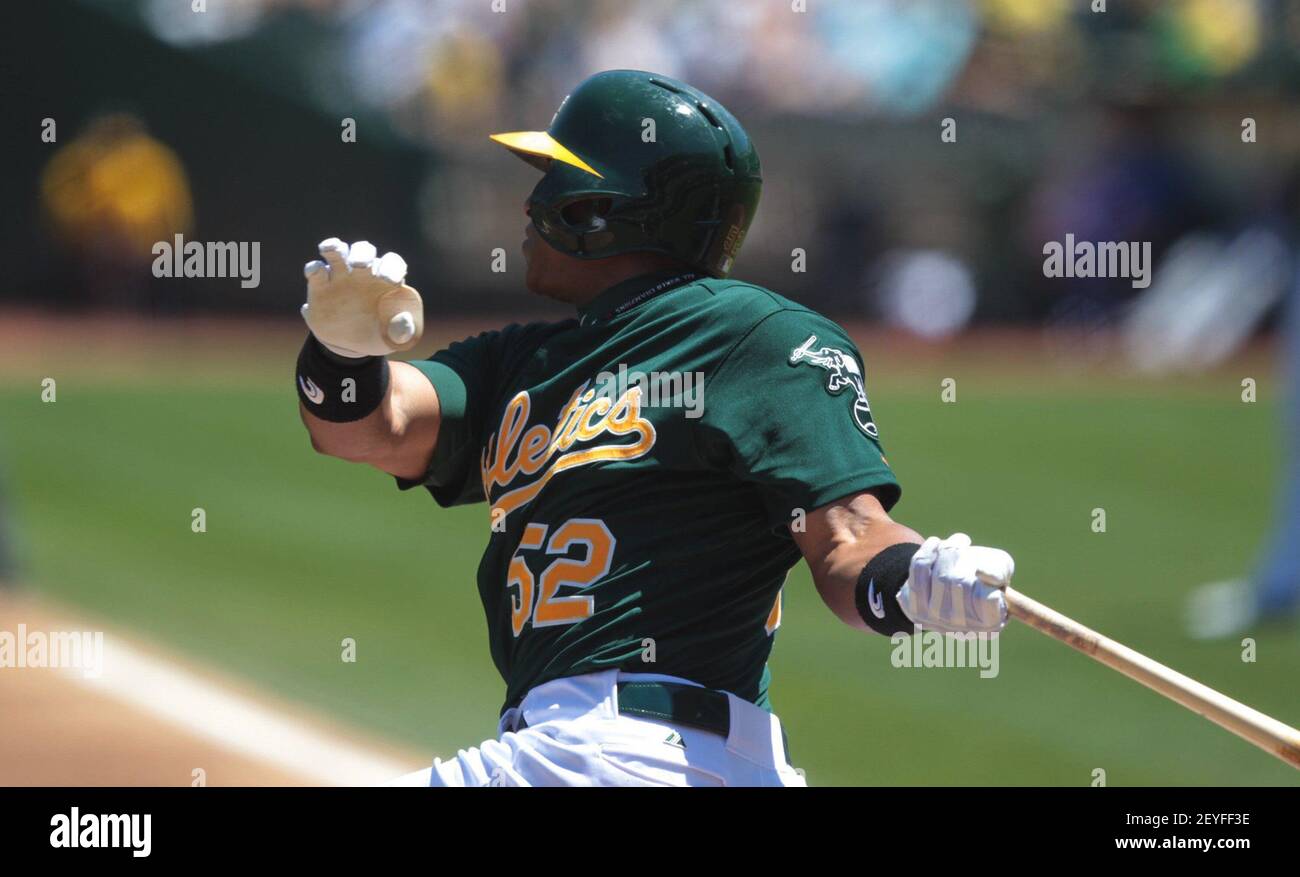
575	736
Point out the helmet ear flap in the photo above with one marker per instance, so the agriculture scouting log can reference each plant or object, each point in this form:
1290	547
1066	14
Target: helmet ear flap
587	213
578	226
585	219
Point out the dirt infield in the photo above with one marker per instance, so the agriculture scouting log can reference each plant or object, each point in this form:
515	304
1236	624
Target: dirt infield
63	728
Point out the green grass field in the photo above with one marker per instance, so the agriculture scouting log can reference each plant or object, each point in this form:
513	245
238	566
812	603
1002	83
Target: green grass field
302	551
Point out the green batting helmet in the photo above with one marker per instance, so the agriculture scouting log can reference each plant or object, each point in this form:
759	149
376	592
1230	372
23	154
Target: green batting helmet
654	166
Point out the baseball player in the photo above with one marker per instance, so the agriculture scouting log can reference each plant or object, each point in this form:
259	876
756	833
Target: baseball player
653	466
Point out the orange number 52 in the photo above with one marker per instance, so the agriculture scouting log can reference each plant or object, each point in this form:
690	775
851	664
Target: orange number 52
552	609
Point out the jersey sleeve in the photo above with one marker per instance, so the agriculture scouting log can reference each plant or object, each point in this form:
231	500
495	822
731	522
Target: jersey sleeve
468	376
787	410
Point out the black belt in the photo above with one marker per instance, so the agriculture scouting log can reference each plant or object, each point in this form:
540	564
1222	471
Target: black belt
676	704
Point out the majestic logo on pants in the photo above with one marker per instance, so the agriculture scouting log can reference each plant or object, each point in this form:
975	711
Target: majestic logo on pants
845	374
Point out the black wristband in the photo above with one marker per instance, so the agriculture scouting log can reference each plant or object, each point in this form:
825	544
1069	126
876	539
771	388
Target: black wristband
879	582
338	388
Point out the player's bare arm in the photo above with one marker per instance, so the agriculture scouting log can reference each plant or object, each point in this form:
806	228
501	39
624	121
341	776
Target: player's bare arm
356	404
398	437
876	574
838	542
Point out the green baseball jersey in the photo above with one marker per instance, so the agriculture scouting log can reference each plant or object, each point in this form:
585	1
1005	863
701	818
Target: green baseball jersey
643	466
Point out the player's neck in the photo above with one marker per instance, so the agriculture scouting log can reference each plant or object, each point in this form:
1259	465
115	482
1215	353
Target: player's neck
615	270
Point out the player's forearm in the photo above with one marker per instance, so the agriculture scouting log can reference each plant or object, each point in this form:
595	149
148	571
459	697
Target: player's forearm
398	437
876	574
839	582
355	440
849	535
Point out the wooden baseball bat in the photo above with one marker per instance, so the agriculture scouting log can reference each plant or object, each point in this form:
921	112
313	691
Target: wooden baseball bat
1267	733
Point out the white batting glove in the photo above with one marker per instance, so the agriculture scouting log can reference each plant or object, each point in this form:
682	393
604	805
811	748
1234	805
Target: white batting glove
944	593
358	305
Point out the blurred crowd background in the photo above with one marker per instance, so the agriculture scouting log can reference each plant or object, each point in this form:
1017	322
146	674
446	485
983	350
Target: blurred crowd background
1124	124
